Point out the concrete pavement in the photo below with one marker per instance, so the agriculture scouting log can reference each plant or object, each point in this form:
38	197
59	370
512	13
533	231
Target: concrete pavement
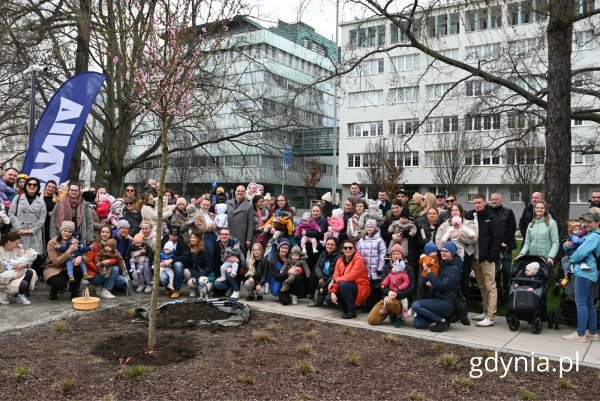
548	343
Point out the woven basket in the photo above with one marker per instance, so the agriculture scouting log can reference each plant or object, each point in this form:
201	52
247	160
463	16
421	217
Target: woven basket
85	302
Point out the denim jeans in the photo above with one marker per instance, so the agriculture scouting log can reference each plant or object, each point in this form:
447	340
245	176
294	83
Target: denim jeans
230	282
210	240
114	280
431	310
178	276
586	311
346	296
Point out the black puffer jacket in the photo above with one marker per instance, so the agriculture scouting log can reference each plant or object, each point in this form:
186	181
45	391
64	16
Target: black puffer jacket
490	234
508	223
261	271
320	265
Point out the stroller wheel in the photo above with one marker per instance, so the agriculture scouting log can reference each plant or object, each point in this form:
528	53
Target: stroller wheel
537	326
513	322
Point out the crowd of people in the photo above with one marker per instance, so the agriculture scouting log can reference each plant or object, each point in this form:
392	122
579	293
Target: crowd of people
400	258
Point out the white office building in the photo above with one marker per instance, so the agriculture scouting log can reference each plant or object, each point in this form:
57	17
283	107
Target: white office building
272	68
394	91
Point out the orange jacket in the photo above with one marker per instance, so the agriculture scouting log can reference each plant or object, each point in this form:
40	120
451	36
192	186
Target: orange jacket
355	272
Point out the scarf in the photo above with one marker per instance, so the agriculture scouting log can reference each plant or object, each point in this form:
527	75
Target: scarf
63	211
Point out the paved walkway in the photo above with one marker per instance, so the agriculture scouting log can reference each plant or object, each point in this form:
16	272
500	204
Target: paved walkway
548	343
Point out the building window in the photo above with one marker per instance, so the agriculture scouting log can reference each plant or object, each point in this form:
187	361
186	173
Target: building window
527	83
484	122
490	157
403	127
523	120
583	40
367	98
450	53
525	156
441	124
580	123
399	37
404	95
482	88
407	62
410	159
579	194
578	158
356	130
354	160
486	52
525	47
482	19
368	67
515	196
437	91
367	37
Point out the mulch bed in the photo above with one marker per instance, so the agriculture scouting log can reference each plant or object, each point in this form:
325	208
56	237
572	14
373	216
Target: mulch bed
270	358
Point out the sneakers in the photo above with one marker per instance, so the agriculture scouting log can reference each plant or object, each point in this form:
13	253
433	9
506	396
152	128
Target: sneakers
479	317
221	278
575	337
168	291
349	315
404	313
193	294
140	288
591	337
440	327
294	300
485	323
106	294
249	298
71	279
175	294
235	295
22	299
148	290
411	313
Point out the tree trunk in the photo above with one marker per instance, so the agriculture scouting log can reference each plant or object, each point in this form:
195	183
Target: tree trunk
156	278
557	175
82	60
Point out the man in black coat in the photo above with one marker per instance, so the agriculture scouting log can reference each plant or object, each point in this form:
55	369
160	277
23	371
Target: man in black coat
508	224
527	215
486	255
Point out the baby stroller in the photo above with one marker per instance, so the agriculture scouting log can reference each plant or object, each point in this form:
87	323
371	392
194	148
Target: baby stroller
524	304
567	309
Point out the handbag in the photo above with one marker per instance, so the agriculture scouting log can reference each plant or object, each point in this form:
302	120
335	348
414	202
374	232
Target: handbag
460	309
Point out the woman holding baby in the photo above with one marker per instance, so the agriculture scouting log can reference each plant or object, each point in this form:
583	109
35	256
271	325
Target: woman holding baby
16	277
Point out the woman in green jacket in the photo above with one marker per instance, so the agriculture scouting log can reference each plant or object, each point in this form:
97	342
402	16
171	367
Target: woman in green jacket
542	235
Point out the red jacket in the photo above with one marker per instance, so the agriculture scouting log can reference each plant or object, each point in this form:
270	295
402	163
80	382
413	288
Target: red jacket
355	272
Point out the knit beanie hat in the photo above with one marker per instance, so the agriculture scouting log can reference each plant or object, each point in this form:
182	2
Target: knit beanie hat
122	224
533	267
283	241
190	209
337	213
67	225
305	216
103	198
138	237
404	212
450	247
327	197
371	222
374	203
430	247
168	245
456	220
296	250
398	248
181	201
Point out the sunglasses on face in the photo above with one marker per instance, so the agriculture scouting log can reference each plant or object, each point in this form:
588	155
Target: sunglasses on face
450	200
32	185
348	248
130	190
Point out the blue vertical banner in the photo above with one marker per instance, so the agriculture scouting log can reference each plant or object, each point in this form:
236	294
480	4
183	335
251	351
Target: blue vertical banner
53	142
287	157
